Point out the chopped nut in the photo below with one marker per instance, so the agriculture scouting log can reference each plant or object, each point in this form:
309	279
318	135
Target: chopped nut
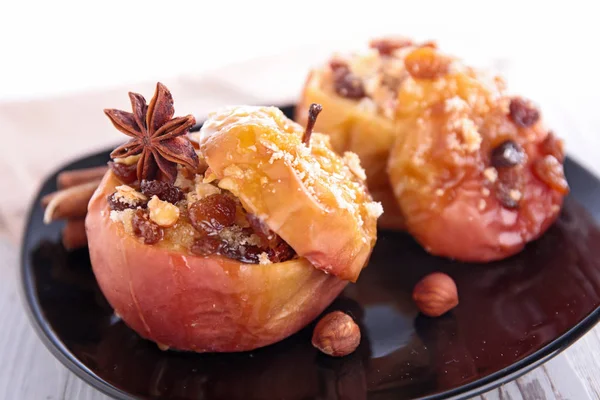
126	197
163	213
491	174
228	184
129	195
128	160
205	189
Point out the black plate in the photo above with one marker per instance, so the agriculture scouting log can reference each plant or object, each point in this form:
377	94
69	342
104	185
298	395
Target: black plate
513	316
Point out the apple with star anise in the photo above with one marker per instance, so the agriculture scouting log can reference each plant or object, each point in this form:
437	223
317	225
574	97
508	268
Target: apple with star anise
232	246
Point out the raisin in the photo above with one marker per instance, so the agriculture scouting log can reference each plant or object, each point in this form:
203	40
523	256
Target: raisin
280	253
347	84
207	246
429	43
509	186
125	173
117	204
426	63
336	63
553	146
507	154
386	46
163	190
244	253
212	213
266	235
550	171
150	232
523	113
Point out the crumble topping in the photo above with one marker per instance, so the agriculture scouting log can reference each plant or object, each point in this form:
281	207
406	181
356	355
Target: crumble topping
515	195
482	204
490	174
129	196
263	259
353	162
374	209
455	104
128	160
470	134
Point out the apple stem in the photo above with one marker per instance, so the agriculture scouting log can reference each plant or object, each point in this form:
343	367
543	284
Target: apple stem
313	112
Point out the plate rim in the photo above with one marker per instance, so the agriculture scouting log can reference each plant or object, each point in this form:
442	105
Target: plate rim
59	350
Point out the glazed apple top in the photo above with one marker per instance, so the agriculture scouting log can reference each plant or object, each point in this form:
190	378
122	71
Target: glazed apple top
313	198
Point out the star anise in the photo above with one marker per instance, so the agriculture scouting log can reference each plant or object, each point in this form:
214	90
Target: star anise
157	136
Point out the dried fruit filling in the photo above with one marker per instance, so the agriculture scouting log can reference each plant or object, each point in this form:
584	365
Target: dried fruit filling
196	216
374	77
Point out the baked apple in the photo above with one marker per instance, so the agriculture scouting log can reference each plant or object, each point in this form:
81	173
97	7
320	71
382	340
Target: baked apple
475	172
358	92
233	246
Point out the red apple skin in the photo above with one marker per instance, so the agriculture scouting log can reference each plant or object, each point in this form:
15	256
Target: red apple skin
201	304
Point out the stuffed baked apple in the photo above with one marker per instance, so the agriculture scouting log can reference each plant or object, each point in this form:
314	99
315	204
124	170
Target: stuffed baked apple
233	246
474	172
358	92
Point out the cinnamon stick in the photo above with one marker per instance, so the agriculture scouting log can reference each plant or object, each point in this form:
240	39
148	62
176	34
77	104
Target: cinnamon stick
69	203
73	234
67	179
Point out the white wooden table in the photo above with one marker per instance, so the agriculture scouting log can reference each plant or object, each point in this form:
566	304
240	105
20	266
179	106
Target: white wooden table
49	132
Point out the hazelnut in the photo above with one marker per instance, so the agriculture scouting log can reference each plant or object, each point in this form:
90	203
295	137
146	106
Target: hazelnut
336	334
435	294
162	213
